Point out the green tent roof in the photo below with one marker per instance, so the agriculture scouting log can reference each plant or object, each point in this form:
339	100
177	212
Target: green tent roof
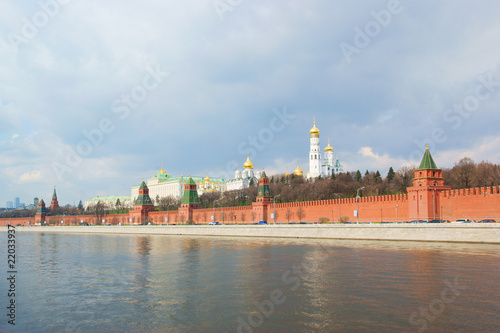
427	161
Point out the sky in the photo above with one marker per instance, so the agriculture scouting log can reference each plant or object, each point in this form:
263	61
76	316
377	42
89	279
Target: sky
97	95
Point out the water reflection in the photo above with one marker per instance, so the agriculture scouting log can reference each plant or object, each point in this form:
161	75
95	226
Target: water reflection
136	283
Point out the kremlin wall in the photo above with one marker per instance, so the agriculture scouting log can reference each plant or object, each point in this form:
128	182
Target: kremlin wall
427	199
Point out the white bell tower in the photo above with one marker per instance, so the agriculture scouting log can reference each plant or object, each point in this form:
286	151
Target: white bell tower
314	153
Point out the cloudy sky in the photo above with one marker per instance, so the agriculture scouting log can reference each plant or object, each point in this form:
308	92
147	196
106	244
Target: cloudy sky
96	95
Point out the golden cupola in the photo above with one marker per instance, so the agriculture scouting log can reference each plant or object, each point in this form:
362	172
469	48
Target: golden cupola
298	172
329	148
248	164
207	179
314	131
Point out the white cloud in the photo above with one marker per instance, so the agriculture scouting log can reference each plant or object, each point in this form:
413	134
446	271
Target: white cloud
31	177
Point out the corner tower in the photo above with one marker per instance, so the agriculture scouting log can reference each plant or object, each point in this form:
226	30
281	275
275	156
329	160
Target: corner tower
424	195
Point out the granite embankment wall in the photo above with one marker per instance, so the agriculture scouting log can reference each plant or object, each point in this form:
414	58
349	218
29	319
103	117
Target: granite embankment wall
464	233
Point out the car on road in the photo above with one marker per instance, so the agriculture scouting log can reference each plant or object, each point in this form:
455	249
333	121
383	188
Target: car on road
487	221
439	221
214	223
416	221
463	221
262	222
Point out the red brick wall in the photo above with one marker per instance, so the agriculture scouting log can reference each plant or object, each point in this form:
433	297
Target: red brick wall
475	203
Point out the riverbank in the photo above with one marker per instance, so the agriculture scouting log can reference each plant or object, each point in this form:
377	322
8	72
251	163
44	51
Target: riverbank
459	233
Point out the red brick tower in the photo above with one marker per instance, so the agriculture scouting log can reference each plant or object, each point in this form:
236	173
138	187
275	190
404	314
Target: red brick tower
142	205
190	201
423	197
264	199
41	213
54	204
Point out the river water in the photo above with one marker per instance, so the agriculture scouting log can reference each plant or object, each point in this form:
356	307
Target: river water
153	283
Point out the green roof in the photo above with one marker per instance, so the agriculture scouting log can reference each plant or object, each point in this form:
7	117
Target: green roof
263	175
190	196
427	161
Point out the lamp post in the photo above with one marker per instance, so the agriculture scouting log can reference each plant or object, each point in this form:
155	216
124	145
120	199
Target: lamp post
340	214
274	201
396	212
357	203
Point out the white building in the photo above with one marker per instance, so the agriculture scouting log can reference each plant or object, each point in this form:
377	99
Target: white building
164	185
318	165
109	201
242	179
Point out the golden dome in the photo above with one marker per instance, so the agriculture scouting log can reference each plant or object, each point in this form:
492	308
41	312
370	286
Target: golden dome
207	179
287	174
329	148
298	172
248	164
162	173
314	131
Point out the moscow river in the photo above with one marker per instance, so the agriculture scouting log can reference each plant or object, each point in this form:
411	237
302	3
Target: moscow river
152	283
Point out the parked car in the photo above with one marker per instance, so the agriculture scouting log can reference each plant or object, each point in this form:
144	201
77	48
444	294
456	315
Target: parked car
214	223
262	222
487	221
416	221
463	221
439	221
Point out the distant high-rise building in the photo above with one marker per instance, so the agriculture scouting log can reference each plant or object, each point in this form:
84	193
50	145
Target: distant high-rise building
36	201
9	205
17	201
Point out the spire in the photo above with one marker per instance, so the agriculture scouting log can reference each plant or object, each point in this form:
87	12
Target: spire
314	132
427	160
329	148
54	195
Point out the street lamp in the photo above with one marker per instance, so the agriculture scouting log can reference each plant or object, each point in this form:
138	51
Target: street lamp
340	215
274	201
396	212
357	203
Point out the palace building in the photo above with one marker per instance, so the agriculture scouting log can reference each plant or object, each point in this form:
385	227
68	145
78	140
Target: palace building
164	185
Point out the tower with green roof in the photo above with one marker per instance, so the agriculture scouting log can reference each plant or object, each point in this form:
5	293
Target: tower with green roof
41	213
264	199
142	205
54	204
424	195
190	202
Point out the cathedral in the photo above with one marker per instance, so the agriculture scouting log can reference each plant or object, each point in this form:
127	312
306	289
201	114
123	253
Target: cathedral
243	179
